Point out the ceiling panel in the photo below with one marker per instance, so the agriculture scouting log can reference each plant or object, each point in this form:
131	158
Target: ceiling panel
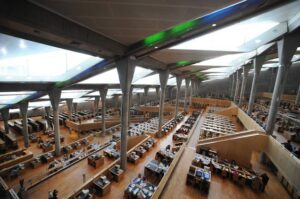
129	21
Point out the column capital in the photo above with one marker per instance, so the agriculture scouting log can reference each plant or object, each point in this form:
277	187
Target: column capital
54	96
187	82
126	69
23	107
163	78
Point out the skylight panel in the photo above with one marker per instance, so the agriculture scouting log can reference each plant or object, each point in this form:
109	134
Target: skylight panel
29	61
149	80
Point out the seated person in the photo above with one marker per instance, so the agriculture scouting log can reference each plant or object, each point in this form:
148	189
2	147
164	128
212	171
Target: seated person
288	146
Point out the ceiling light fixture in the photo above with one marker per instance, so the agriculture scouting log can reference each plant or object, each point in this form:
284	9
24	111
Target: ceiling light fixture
3	50
213	25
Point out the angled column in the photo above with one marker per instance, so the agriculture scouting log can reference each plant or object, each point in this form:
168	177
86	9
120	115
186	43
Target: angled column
187	84
237	86
23	111
286	49
232	86
70	107
5	117
146	89
75	105
246	69
125	69
297	102
163	78
178	85
272	79
96	105
258	62
103	93
54	99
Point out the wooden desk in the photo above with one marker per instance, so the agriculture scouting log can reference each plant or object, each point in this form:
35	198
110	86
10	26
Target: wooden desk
155	168
117	174
96	160
102	186
138	188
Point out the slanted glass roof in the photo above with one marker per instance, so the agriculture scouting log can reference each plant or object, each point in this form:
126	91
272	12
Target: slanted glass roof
112	76
27	61
7	98
227	60
149	80
39	104
246	35
70	94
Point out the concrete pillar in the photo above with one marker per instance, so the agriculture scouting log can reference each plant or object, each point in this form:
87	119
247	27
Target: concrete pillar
54	99
157	92
70	107
286	49
257	62
237	86
138	96
116	101
125	69
146	89
75	105
246	69
272	79
187	84
5	117
96	105
191	92
23	111
47	111
232	86
130	96
297	102
103	93
163	78
178	85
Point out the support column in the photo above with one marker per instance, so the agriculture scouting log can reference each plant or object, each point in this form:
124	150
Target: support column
178	84
103	93
75	105
138	96
47	111
70	107
191	92
246	69
96	105
5	117
163	78
54	99
297	102
157	92
125	69
23	111
272	79
146	89
116	101
286	49
237	86
232	86
187	84
258	62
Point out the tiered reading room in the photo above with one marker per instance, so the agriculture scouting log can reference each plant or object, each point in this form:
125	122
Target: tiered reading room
149	99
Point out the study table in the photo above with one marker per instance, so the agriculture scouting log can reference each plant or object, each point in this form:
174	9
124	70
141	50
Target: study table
155	168
139	189
102	185
116	173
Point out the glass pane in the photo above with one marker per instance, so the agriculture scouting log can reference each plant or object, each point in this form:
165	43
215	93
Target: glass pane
23	60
